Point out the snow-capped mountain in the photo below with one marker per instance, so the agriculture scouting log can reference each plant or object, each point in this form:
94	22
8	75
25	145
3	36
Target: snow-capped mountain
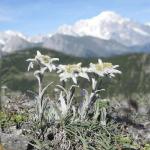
104	35
39	38
12	41
110	25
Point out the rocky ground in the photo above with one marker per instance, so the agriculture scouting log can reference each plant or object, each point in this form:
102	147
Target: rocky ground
135	121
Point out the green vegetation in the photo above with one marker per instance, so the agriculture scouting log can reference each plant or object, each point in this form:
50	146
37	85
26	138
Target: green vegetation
134	79
67	121
8	119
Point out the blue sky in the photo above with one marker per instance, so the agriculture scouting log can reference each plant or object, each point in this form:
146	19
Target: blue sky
45	16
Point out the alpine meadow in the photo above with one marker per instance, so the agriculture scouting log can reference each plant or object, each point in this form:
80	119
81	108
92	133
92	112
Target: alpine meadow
74	75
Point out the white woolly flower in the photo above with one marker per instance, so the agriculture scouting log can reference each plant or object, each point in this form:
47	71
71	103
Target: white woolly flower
72	71
104	68
43	60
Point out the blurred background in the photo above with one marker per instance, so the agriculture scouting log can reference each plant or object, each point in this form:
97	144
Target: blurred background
77	31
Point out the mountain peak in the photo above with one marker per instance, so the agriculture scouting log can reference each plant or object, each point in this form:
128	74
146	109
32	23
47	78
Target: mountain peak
109	14
109	25
14	34
101	26
109	17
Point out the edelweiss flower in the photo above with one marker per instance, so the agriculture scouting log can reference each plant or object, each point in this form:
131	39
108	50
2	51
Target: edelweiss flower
43	60
105	68
72	71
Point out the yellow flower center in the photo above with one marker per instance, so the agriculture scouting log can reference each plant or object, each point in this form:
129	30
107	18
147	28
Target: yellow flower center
99	67
45	58
107	65
103	66
72	68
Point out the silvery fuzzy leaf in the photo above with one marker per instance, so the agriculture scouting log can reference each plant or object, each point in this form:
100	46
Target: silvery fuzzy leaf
74	112
44	89
54	59
62	88
30	66
103	116
74	79
63	105
94	83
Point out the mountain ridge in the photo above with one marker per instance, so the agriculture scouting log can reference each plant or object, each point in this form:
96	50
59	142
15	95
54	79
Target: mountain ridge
104	35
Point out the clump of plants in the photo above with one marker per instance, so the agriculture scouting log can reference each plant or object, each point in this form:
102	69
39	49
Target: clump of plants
74	118
8	119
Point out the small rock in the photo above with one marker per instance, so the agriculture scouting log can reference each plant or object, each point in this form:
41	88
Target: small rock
13	142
